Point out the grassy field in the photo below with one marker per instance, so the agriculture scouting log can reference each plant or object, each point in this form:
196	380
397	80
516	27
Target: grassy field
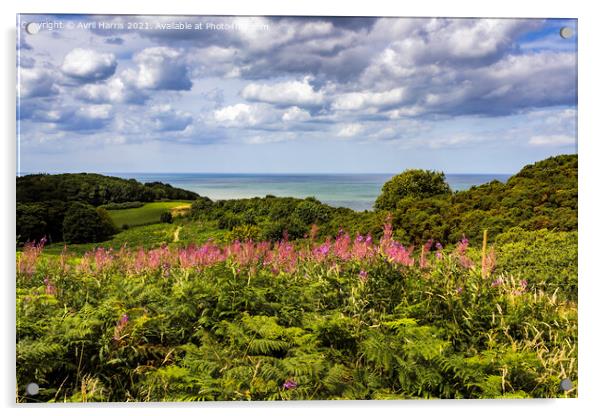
151	236
148	214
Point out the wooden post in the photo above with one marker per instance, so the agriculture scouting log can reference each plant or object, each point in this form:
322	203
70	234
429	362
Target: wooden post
484	255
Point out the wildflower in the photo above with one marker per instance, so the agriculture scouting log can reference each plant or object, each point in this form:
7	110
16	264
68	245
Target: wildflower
363	276
50	289
26	264
459	290
497	282
289	384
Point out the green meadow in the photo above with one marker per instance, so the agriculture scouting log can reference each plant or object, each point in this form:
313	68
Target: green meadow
147	214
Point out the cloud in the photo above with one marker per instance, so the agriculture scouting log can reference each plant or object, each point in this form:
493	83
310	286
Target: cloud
553	140
87	65
114	90
295	114
83	119
36	82
165	118
160	68
287	93
114	41
366	99
243	115
350	130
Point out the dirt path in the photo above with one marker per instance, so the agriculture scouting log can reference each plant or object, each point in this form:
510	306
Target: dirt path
176	234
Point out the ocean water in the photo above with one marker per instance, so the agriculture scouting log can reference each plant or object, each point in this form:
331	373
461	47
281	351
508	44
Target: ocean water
355	191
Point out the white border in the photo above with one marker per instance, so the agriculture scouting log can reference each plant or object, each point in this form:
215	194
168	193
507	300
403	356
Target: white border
590	137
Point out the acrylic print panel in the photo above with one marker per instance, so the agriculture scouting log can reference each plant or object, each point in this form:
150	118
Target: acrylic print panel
295	208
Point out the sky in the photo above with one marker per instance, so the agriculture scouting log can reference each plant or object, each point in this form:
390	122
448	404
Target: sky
292	94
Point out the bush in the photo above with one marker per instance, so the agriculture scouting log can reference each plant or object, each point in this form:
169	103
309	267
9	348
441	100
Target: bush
311	212
84	224
245	232
291	229
166	217
122	205
413	183
200	206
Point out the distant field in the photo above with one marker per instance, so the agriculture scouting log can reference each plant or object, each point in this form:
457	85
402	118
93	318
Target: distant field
148	214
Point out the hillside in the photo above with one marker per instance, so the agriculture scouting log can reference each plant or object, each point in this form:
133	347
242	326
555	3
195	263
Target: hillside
94	189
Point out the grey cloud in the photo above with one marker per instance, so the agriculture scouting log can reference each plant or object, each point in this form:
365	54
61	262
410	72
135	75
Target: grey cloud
36	82
160	68
166	118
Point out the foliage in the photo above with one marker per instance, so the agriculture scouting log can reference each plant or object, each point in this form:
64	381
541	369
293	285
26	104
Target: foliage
547	259
122	205
85	224
344	318
540	196
166	217
414	184
43	200
94	189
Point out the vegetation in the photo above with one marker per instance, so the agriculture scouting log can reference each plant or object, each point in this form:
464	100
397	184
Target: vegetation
412	184
94	189
43	200
345	318
284	298
147	214
83	223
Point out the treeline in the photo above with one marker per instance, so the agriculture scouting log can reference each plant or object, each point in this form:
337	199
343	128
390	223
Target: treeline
94	189
541	196
422	206
72	207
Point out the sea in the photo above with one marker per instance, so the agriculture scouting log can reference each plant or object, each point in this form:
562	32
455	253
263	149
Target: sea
355	191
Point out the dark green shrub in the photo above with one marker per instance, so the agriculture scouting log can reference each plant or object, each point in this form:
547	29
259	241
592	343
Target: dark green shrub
84	224
166	217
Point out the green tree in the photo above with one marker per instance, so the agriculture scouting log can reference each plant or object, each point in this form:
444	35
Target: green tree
83	224
166	217
413	183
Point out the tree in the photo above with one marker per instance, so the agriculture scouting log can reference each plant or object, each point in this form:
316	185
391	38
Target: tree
200	206
166	217
106	221
84	224
413	183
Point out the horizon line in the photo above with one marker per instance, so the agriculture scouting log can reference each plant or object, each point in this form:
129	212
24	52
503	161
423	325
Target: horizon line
255	173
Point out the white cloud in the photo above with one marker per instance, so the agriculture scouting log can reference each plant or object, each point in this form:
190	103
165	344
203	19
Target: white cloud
552	140
87	65
365	99
113	91
298	93
243	115
350	130
295	114
99	112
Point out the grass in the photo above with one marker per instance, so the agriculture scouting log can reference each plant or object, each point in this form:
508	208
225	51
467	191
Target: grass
151	236
148	214
148	236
